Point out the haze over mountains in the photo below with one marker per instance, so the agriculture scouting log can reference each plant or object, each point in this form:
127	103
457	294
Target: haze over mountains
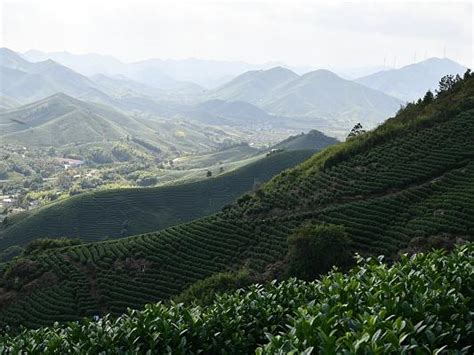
27	82
271	97
206	73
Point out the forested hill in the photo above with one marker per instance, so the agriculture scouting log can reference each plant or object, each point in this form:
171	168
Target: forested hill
411	177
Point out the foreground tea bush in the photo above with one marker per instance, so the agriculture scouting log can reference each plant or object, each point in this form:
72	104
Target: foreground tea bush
422	304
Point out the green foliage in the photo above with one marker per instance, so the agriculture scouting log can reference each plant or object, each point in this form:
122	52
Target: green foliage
314	249
99	156
147	179
205	291
42	244
422	304
122	152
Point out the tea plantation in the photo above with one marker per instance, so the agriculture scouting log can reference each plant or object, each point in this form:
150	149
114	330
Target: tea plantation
411	177
422	304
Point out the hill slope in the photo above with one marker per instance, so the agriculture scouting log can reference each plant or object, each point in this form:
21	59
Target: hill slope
117	213
412	177
60	120
412	81
230	113
311	140
322	93
253	86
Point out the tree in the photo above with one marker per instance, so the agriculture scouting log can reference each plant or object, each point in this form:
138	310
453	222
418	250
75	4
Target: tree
314	249
428	98
209	173
52	152
467	74
446	83
356	131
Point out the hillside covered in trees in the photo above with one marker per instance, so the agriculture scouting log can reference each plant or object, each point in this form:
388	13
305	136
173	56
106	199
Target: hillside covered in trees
411	179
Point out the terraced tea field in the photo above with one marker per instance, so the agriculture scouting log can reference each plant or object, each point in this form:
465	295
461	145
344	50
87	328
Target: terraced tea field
415	305
412	177
117	213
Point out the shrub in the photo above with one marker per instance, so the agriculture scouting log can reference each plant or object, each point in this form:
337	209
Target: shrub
42	244
204	291
20	272
315	249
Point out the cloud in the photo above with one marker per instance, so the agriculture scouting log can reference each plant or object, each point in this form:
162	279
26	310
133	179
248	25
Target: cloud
292	31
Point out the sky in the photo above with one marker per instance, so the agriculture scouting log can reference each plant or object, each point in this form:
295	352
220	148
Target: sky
295	32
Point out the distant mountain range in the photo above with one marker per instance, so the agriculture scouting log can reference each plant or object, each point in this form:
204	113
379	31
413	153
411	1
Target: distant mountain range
165	73
274	97
412	81
319	93
26	82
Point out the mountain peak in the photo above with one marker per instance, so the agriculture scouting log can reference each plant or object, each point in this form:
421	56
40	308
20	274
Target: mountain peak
321	74
280	72
279	69
48	63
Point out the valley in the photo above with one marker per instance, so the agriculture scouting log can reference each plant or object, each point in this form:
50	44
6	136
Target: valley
219	177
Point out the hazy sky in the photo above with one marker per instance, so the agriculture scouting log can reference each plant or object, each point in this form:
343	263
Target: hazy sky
295	32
